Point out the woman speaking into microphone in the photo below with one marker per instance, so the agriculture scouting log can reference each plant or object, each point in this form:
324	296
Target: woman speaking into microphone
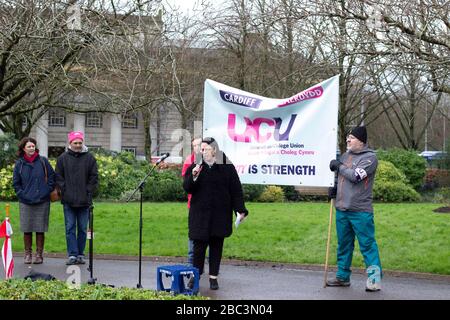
216	192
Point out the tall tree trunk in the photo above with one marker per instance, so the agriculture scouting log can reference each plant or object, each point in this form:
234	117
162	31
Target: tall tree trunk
147	137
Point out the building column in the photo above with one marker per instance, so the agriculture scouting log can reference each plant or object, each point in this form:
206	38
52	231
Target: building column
42	135
115	138
78	122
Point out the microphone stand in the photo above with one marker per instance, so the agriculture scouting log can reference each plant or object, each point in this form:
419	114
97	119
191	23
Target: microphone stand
91	279
90	235
141	187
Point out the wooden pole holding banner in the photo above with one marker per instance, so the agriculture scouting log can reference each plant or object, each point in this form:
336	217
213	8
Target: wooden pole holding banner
7	210
328	243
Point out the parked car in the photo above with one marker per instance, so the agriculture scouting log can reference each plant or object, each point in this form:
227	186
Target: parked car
433	158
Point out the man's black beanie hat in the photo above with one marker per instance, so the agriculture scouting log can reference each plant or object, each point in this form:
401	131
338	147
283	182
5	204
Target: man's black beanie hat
360	133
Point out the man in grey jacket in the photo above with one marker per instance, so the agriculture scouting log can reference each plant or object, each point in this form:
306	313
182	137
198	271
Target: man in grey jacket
354	211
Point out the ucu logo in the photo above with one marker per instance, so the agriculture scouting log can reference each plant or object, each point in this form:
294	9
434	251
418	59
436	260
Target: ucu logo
252	130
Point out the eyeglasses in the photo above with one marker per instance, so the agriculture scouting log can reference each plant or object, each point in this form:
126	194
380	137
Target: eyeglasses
207	149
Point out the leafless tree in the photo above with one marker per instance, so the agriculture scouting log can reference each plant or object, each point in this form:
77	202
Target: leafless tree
54	53
361	39
417	27
409	40
410	97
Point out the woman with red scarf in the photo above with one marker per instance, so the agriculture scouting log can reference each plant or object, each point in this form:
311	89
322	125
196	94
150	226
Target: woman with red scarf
33	180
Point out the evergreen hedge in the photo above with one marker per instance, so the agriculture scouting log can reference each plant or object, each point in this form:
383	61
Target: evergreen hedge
408	161
20	289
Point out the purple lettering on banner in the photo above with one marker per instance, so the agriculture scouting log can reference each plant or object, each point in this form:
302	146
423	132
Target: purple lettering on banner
283	136
245	101
312	93
252	129
300	170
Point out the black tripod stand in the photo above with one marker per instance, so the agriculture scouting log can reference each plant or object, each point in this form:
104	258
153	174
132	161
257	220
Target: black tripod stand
141	187
91	279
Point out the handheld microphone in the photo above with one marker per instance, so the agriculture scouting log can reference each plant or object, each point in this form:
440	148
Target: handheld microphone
163	157
196	170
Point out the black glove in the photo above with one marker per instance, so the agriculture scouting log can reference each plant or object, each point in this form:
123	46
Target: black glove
334	165
332	191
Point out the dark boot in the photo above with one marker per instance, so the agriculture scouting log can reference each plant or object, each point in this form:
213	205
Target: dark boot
28	246
336	282
38	259
213	284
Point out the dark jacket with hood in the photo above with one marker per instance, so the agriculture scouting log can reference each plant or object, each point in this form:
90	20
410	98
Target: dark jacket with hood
216	193
77	177
33	181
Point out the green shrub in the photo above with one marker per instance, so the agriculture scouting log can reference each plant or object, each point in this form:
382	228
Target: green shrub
117	177
313	198
165	185
272	194
8	149
19	289
6	187
409	162
386	171
442	195
252	192
436	178
394	191
128	157
290	193
391	185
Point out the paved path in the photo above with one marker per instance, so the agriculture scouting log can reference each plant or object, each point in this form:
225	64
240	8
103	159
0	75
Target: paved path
239	280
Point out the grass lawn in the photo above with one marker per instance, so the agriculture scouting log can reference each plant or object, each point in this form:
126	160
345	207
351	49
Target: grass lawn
411	237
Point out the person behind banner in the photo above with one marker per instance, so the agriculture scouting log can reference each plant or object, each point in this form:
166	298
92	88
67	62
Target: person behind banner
77	178
216	192
33	181
354	211
195	157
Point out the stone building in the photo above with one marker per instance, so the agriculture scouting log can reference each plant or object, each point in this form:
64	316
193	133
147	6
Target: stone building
109	131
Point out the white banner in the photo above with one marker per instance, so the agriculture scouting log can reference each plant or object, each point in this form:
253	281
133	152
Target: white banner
275	141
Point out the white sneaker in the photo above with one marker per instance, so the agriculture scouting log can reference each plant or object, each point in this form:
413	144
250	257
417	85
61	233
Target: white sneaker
373	282
372	286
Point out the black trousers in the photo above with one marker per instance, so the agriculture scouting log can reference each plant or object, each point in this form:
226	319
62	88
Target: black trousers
215	254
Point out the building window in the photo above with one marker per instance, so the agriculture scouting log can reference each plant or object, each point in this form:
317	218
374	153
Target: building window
94	148
130	120
130	149
94	120
57	118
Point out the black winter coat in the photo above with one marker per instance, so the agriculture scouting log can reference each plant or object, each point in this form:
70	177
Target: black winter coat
30	181
215	194
77	177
